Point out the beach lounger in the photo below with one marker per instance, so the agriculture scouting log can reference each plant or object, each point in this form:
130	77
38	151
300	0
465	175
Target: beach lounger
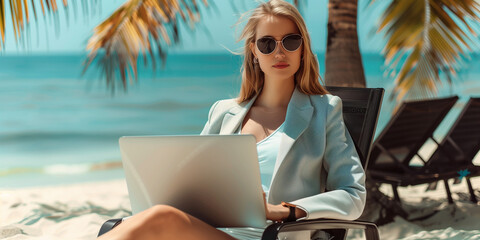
455	153
392	152
361	107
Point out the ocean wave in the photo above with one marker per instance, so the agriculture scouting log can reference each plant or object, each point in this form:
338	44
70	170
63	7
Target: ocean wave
62	169
167	105
37	135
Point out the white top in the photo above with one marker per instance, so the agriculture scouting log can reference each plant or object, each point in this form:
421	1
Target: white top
267	150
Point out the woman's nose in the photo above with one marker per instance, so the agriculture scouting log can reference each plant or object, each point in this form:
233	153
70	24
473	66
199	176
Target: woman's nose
279	51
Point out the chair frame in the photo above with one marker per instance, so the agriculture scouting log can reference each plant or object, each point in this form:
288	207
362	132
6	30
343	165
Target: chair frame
272	231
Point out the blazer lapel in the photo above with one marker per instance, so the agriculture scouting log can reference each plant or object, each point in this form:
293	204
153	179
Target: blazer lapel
234	117
299	114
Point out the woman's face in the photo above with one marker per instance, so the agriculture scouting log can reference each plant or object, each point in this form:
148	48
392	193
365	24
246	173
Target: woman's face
280	64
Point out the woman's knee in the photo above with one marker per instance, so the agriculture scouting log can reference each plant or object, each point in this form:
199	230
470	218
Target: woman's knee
166	222
166	217
155	222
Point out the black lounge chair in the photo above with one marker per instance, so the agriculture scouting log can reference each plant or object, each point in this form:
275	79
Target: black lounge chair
361	107
454	156
399	142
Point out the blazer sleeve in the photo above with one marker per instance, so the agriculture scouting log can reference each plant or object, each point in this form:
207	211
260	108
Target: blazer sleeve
345	193
207	128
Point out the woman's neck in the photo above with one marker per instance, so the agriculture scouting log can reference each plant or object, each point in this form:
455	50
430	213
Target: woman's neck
275	94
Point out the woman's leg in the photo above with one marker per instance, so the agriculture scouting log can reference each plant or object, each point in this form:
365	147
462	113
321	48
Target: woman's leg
164	222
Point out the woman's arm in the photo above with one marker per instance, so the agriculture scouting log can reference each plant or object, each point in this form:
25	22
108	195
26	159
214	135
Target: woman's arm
279	212
345	183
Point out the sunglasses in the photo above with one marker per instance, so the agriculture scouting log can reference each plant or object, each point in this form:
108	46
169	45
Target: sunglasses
267	45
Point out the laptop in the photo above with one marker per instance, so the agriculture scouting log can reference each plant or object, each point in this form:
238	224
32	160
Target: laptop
215	178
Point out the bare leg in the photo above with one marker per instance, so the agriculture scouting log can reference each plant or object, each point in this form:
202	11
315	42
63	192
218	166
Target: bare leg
164	222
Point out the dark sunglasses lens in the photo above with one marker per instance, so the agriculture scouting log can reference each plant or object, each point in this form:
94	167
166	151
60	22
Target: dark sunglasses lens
266	45
292	42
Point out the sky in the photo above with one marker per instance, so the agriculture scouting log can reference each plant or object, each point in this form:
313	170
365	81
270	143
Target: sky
214	33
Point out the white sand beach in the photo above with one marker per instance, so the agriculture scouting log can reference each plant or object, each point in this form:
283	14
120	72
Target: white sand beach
61	212
77	211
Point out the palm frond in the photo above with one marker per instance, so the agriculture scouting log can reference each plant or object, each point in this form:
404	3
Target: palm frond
428	37
137	27
2	22
21	16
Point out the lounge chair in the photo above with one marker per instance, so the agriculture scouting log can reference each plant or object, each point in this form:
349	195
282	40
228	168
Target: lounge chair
392	152
454	156
361	107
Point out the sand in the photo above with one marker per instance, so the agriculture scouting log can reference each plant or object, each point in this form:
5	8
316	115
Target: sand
77	211
61	212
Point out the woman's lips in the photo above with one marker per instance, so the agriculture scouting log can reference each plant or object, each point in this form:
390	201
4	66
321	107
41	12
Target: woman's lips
281	65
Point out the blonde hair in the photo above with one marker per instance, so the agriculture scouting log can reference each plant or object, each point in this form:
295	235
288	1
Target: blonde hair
306	78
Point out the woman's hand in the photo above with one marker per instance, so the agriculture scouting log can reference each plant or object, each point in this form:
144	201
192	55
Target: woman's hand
276	213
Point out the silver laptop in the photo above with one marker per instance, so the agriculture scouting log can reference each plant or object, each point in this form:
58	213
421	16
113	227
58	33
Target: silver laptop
215	178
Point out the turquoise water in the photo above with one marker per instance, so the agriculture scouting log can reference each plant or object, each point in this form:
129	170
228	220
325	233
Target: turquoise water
56	126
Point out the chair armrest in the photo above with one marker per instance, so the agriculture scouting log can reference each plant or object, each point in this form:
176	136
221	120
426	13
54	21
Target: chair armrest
109	225
271	232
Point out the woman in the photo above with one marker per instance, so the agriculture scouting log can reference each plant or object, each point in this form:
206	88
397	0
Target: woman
309	165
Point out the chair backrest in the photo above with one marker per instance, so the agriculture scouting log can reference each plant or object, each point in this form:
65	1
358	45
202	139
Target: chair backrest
462	142
361	108
406	132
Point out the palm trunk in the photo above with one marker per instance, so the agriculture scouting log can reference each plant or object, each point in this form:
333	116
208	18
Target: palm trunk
343	60
344	68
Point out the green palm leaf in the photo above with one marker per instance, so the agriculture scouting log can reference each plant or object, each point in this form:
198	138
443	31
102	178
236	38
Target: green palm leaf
428	37
137	27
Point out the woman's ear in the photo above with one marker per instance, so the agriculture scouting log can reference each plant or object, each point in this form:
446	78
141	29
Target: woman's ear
252	48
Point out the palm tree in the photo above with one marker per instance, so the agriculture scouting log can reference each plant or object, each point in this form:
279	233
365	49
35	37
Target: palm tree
343	63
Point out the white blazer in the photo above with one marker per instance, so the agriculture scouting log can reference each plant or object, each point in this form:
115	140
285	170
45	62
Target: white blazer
317	167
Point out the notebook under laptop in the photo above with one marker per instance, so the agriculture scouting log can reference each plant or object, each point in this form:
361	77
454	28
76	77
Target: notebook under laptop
215	178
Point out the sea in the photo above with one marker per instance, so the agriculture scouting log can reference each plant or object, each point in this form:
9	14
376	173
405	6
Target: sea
59	126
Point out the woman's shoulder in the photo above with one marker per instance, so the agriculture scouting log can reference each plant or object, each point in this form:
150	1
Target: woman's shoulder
326	100
224	105
230	102
227	103
327	106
